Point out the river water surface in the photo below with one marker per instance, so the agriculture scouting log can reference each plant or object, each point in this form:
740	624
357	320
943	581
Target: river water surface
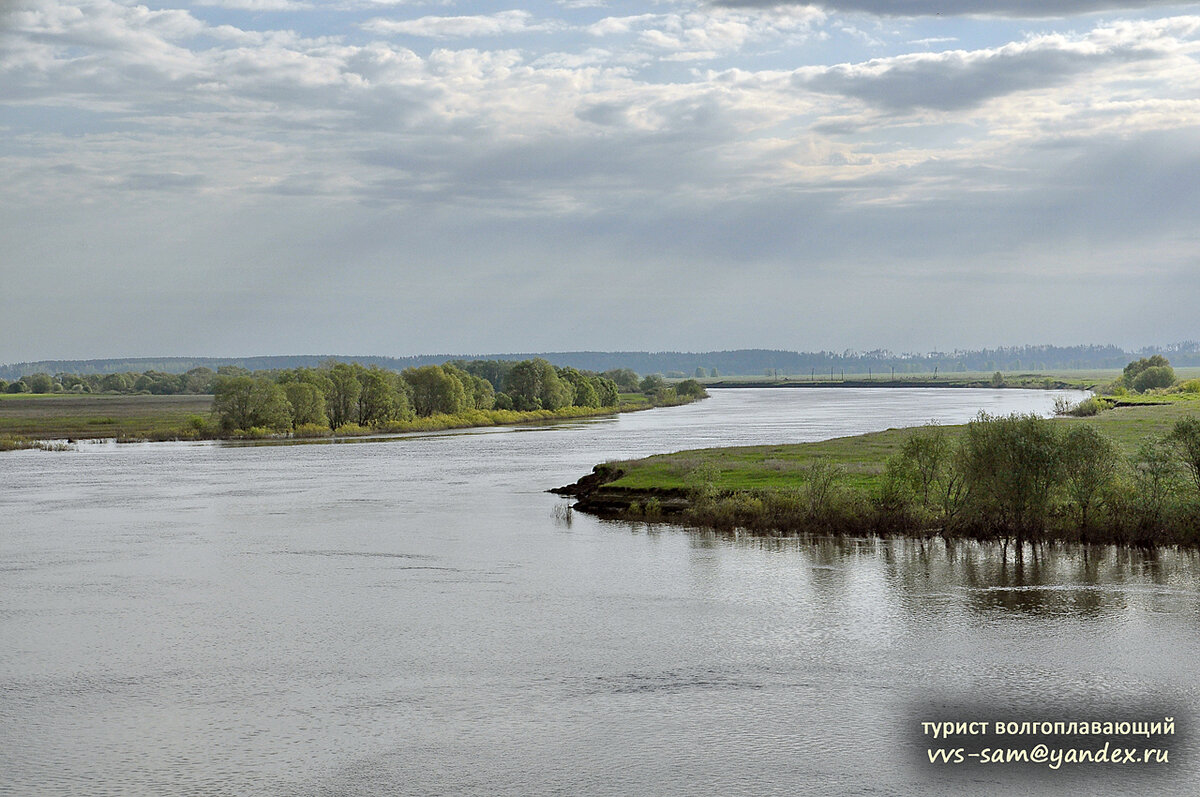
417	616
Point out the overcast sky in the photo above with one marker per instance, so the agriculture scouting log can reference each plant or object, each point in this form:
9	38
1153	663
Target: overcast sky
236	177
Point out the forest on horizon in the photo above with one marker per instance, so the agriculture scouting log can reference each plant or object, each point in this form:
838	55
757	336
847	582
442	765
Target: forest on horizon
725	363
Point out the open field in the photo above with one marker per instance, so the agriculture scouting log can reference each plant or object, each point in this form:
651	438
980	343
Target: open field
59	416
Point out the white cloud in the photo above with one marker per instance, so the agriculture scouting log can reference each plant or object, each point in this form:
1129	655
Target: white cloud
500	23
257	5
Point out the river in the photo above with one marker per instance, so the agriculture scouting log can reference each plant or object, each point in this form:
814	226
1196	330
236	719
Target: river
417	616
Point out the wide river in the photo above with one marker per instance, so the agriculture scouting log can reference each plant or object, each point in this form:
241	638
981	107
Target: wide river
417	616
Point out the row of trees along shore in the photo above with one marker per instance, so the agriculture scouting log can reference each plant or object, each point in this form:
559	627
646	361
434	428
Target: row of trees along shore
1020	477
1148	373
349	398
198	381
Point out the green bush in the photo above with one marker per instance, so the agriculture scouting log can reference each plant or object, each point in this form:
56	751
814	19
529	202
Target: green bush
1155	377
1088	407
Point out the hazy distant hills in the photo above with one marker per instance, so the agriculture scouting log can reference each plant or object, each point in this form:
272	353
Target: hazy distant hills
726	363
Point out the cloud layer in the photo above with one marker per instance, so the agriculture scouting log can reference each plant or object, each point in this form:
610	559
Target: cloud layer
763	156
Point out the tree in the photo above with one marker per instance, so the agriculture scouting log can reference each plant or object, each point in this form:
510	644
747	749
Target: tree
534	384
378	401
1089	463
242	402
483	392
606	389
524	386
231	401
341	401
435	391
1133	369
713	373
494	372
269	406
1155	376
922	458
1186	437
307	404
652	384
1011	465
626	379
699	373
199	380
690	388
556	393
40	383
1155	472
478	392
583	390
116	383
315	377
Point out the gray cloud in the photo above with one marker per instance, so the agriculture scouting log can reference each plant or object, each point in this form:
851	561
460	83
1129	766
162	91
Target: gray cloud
162	182
958	80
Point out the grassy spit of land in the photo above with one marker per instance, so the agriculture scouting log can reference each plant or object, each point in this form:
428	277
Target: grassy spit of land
1136	485
1092	379
49	420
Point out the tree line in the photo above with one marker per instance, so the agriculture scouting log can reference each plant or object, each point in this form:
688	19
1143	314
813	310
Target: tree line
197	381
340	395
1027	478
739	361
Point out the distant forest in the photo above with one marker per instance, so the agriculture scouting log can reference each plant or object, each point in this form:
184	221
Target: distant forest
741	362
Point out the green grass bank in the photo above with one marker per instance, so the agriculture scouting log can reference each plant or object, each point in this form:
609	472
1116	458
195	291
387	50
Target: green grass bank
863	485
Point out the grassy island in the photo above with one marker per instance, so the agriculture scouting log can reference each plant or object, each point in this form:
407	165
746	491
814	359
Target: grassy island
1127	475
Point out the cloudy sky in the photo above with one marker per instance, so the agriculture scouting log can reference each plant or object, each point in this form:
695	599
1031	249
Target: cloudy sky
234	177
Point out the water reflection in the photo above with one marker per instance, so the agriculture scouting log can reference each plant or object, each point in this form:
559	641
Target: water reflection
1093	582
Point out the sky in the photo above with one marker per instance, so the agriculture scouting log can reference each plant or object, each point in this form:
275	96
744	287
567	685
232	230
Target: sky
393	177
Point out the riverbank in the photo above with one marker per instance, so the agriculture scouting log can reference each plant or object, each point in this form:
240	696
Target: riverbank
41	421
849	485
1036	380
